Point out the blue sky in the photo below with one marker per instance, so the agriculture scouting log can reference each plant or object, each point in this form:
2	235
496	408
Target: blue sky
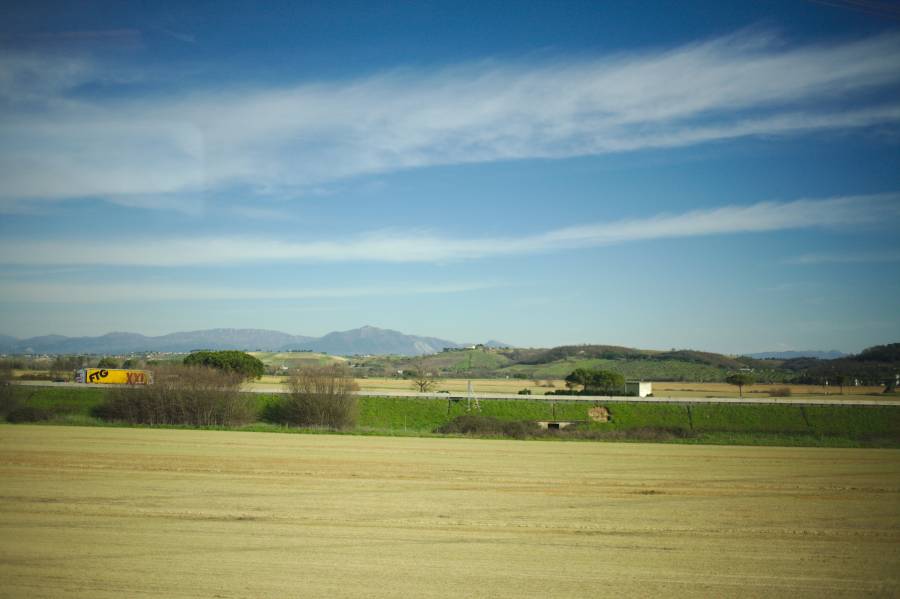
719	176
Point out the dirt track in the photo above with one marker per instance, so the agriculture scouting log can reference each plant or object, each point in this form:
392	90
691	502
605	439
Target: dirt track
93	512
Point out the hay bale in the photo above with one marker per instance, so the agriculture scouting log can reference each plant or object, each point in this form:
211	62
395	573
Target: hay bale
599	414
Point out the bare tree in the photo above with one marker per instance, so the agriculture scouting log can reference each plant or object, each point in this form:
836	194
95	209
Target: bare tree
423	379
321	396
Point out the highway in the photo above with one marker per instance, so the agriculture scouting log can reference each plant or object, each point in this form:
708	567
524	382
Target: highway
834	400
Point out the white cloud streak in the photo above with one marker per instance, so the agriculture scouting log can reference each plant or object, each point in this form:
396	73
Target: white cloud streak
847	258
283	139
394	247
93	293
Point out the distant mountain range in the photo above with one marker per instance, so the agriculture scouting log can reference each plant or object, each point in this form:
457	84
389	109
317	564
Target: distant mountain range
365	340
790	355
361	341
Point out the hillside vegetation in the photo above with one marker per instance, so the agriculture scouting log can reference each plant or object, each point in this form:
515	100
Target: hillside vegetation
874	366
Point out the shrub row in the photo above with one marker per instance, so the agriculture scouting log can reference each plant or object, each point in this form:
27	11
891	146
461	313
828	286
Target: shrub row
486	426
477	424
191	395
319	396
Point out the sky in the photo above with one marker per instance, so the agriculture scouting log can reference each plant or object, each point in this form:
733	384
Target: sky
722	176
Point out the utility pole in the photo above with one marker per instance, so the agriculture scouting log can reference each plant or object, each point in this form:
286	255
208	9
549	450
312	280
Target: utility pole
470	396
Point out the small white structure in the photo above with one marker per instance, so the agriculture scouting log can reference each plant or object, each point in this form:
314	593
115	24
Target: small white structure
555	424
639	388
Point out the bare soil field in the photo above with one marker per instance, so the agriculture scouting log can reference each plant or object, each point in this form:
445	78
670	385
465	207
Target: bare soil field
274	383
94	512
459	385
674	389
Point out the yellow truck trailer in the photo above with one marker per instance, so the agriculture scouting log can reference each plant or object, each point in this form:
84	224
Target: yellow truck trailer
113	376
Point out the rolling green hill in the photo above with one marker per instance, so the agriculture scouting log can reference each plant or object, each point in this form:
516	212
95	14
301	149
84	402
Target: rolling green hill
296	359
558	362
658	370
872	366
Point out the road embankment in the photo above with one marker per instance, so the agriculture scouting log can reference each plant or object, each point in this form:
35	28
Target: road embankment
277	389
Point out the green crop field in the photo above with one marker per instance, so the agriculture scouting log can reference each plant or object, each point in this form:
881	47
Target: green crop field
61	401
478	360
296	359
117	512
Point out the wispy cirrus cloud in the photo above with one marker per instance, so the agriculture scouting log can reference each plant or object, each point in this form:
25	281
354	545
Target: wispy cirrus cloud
851	257
424	246
138	150
29	80
136	291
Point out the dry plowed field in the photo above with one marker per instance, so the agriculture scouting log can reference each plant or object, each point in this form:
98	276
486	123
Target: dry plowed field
95	512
